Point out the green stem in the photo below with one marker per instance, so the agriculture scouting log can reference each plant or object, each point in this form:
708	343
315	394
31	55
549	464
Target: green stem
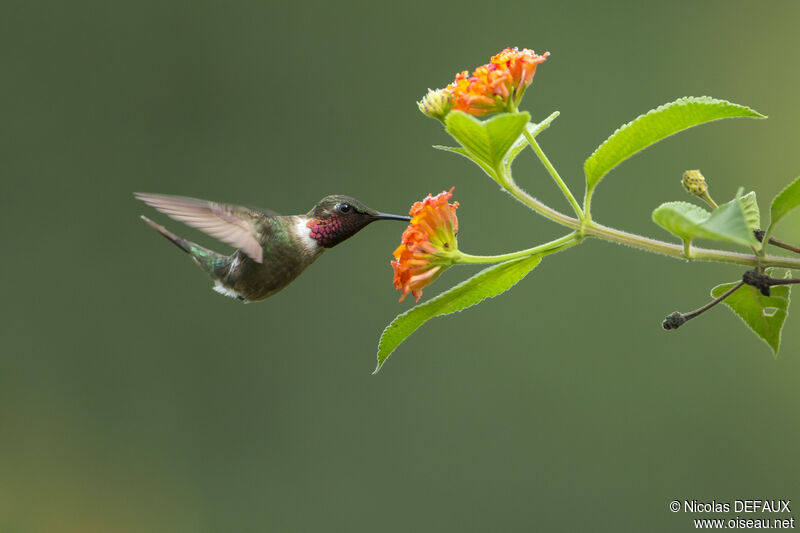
594	229
554	173
707	199
543	249
587	203
765	240
584	226
545	210
687	248
590	228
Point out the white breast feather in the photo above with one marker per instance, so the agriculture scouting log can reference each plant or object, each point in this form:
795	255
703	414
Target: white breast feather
222	289
304	232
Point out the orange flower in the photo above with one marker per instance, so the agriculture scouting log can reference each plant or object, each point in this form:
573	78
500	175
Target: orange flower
423	254
498	85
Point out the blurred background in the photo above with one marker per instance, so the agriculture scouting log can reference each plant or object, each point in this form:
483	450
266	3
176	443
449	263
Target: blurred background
133	398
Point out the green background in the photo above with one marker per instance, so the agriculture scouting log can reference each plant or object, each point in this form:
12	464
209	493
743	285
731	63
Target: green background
133	398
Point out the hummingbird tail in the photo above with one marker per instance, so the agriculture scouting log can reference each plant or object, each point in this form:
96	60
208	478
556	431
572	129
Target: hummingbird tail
210	261
183	244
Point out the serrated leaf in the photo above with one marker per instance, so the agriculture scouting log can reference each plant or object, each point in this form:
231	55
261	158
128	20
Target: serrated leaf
487	283
764	315
656	125
785	201
486	141
521	142
733	221
752	215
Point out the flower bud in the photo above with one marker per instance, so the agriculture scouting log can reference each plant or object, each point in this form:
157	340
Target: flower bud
673	321
436	104
694	182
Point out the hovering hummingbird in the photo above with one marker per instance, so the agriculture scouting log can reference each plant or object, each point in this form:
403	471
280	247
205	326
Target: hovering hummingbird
272	250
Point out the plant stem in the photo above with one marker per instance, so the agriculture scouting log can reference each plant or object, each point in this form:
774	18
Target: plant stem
707	199
780	244
585	226
554	173
765	237
541	208
790	281
712	303
677	319
543	249
590	228
698	254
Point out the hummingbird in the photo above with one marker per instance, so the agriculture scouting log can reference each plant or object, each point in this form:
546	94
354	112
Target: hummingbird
272	250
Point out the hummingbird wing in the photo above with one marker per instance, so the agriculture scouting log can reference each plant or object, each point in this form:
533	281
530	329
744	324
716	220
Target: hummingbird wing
231	224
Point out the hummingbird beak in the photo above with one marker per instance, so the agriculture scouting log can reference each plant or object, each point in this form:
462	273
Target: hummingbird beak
386	216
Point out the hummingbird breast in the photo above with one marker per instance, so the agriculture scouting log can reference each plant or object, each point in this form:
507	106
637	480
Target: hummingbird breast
288	251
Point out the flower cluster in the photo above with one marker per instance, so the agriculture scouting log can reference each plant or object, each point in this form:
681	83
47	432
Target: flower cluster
495	87
423	254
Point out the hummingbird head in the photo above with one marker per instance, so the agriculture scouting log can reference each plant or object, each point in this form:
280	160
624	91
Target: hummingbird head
337	218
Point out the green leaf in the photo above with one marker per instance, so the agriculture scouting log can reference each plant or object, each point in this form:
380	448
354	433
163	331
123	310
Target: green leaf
752	215
787	199
487	283
516	148
764	315
521	142
462	151
658	124
680	218
733	221
486	142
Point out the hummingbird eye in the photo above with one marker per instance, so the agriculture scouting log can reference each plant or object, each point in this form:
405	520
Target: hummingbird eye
344	209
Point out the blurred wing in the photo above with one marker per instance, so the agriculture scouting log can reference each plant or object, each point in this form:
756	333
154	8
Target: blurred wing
228	223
